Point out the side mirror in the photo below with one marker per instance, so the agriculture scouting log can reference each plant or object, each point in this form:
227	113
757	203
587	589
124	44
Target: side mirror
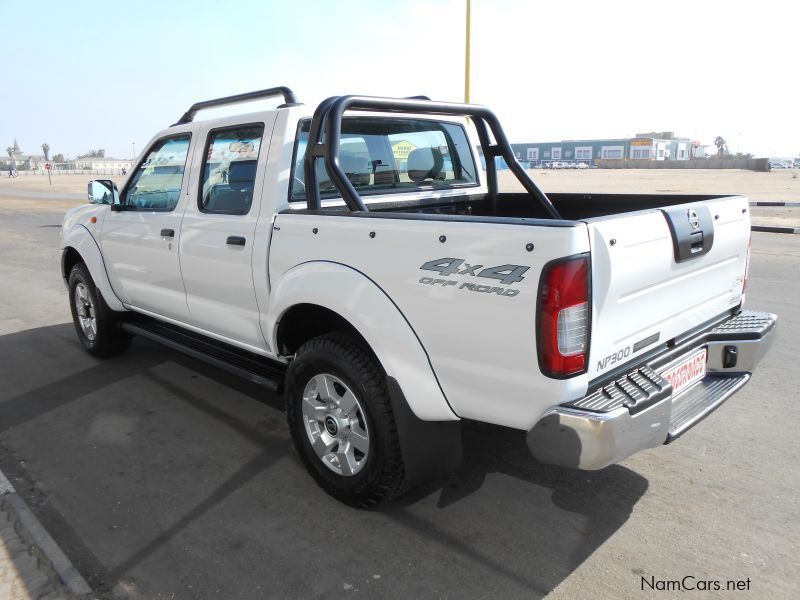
103	191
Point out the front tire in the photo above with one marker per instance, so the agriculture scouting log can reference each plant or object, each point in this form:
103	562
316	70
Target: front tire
96	324
341	421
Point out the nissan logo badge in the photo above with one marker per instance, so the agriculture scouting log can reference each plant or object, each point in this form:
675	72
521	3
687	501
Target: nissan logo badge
694	220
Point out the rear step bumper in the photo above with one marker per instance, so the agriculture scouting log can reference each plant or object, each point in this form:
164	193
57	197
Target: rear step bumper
638	410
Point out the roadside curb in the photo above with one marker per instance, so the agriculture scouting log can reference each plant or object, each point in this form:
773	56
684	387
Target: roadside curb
771	229
769	203
50	556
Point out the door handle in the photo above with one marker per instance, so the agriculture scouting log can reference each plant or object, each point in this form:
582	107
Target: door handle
235	240
167	233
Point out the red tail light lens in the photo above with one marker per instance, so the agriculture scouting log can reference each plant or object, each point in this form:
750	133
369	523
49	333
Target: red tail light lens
564	317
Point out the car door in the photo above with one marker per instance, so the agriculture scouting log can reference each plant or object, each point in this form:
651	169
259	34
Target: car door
140	235
218	237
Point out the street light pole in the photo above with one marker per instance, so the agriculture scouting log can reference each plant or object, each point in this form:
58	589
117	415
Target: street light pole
466	61
134	150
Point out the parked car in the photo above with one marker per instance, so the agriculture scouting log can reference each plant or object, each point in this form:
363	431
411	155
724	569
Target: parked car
332	257
779	164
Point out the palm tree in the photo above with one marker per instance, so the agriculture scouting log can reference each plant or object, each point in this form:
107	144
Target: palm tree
720	143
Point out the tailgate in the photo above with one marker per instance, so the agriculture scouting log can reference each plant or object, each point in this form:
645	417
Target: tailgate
657	275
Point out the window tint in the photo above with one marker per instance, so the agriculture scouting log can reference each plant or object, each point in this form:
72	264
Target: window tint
156	184
229	170
382	155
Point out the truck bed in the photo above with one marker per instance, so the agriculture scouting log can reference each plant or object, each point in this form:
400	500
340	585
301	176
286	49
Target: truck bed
571	206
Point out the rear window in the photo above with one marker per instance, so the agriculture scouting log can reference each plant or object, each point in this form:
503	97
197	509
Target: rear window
383	155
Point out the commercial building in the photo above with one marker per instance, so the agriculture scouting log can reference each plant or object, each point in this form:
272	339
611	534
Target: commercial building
99	163
644	146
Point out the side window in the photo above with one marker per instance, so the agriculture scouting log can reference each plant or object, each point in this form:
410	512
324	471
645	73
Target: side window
156	184
229	170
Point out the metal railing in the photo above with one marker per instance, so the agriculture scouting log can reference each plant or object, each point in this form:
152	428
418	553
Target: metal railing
325	134
62	171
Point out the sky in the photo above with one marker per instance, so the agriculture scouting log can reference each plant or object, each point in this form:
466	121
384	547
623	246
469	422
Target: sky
87	75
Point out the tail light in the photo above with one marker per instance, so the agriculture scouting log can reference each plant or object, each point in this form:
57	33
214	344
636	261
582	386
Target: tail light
564	317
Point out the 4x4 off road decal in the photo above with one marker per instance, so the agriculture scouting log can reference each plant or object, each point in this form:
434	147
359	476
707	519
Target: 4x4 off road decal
505	274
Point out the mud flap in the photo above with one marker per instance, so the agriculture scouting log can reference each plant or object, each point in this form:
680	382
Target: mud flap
430	449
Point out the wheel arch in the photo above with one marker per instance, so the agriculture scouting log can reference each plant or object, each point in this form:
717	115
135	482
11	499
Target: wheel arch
69	258
79	245
304	321
335	295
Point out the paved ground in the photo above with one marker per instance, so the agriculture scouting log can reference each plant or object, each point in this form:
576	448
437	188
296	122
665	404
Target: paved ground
163	478
22	577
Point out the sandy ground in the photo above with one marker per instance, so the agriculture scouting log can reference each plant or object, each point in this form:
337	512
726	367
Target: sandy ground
27	191
775	185
73	184
778	185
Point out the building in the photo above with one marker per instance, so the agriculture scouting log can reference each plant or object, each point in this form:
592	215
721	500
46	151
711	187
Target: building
17	159
99	163
644	146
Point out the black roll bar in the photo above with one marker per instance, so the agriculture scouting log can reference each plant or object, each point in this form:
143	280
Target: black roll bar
326	130
282	90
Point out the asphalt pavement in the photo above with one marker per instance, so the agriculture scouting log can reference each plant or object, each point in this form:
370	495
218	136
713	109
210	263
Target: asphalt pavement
161	477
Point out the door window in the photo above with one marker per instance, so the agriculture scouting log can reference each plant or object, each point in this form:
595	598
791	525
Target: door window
229	170
156	184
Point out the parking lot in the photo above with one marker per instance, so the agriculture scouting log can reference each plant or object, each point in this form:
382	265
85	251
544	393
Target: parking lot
161	477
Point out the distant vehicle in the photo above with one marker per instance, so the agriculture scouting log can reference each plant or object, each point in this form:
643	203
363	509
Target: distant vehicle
779	164
581	165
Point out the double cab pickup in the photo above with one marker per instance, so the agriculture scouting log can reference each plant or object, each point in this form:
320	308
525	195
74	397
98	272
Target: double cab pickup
361	259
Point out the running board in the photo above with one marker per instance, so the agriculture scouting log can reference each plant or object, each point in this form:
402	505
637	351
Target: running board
253	367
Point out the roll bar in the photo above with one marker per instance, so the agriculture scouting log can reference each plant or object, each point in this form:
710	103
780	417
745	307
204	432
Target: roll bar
282	90
326	131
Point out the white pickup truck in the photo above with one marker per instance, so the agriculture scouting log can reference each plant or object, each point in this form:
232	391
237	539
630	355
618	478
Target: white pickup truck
362	259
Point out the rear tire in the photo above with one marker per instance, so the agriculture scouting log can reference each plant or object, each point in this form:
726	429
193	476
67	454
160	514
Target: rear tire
341	421
96	324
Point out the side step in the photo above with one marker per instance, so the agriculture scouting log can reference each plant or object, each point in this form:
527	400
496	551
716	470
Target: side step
697	403
253	367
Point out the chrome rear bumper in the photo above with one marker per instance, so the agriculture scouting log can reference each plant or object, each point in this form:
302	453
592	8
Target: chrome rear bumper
638	410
